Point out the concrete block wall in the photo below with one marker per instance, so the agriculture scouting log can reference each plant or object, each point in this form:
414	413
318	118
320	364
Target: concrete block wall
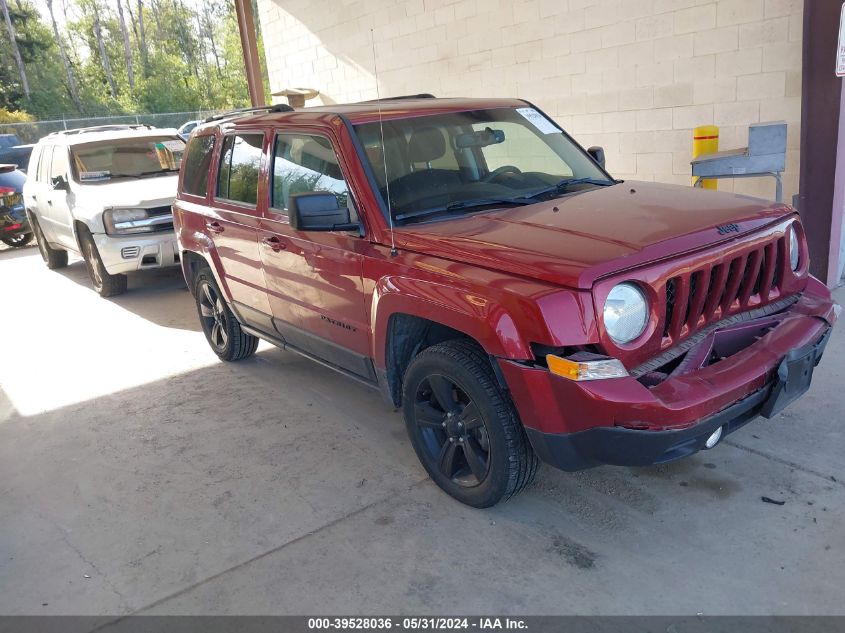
634	76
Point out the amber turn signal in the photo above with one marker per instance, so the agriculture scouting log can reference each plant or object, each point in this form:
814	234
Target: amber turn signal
586	370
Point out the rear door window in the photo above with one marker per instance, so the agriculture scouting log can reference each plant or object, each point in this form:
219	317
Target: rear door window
196	165
240	160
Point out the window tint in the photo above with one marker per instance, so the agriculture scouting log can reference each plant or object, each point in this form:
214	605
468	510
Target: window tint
44	164
237	178
196	165
58	165
305	163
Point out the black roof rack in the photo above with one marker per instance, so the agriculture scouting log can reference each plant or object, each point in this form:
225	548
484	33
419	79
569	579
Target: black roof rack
422	95
104	128
277	107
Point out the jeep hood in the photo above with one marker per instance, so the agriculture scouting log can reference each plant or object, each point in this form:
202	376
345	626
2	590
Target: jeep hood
127	192
575	239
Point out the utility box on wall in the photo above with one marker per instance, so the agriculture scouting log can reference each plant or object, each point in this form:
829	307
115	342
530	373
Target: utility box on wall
764	156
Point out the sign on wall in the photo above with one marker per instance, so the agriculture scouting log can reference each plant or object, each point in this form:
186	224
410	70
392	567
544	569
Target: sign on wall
840	52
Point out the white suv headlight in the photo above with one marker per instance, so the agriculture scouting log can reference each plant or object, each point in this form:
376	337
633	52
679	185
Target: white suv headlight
794	248
122	221
625	313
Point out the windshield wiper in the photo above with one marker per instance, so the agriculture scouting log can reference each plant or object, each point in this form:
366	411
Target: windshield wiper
465	204
145	173
566	183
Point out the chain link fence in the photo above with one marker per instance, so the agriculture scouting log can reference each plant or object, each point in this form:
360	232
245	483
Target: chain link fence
31	131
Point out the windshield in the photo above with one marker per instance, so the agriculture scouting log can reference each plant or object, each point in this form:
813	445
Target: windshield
457	161
127	158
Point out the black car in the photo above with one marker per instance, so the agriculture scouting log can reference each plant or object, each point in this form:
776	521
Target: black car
14	225
16	155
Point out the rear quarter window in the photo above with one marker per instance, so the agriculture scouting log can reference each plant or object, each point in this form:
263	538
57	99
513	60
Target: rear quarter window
196	164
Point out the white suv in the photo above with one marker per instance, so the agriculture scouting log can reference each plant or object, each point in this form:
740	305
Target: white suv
105	193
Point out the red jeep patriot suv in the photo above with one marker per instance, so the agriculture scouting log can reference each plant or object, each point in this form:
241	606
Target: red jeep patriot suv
486	273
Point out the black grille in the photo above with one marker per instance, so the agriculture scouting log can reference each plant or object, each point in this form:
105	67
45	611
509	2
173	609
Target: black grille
670	304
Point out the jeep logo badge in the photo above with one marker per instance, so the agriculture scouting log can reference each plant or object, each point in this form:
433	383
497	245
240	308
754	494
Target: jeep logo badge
728	228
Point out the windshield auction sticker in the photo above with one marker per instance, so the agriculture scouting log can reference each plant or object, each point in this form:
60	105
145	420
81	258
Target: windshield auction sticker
94	175
539	121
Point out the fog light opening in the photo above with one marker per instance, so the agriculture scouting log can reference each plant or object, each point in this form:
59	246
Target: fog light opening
714	438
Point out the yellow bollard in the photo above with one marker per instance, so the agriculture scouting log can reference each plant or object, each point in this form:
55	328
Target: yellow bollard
705	140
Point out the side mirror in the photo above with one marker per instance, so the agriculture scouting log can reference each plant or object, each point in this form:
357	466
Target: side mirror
597	153
60	183
318	211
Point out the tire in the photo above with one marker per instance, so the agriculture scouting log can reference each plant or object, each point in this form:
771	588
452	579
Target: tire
106	284
53	257
222	330
19	241
477	452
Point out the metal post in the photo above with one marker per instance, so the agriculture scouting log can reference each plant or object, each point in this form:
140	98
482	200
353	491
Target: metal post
249	45
821	93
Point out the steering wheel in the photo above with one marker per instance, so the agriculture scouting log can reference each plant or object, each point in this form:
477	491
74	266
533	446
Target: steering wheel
499	171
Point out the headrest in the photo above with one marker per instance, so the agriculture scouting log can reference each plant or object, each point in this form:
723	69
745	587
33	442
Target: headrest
426	144
320	158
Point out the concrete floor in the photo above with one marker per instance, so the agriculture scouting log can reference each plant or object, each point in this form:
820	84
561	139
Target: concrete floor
139	474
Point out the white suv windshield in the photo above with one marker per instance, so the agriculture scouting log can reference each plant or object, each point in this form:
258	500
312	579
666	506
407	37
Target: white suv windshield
127	158
448	163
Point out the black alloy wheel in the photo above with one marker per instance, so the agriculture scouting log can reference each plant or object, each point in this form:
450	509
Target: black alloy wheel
463	425
453	433
222	329
213	316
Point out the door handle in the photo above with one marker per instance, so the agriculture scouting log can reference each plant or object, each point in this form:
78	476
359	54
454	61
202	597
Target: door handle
50	202
214	227
274	243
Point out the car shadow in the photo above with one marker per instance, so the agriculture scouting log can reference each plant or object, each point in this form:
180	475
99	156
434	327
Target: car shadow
158	295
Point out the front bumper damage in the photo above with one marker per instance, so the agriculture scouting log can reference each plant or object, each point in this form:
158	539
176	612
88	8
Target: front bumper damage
630	421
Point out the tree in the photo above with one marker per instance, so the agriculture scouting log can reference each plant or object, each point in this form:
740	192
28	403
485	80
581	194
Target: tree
13	41
154	56
127	48
73	90
104	56
143	42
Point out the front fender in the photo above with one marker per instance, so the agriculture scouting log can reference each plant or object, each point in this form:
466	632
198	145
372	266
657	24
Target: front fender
477	316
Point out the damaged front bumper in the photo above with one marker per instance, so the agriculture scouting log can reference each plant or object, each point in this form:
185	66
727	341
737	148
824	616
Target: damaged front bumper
639	421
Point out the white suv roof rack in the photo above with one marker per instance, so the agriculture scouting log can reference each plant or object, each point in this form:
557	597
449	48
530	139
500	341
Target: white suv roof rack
104	128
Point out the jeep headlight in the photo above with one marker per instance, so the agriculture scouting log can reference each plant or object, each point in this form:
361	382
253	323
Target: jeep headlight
126	221
794	248
625	313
